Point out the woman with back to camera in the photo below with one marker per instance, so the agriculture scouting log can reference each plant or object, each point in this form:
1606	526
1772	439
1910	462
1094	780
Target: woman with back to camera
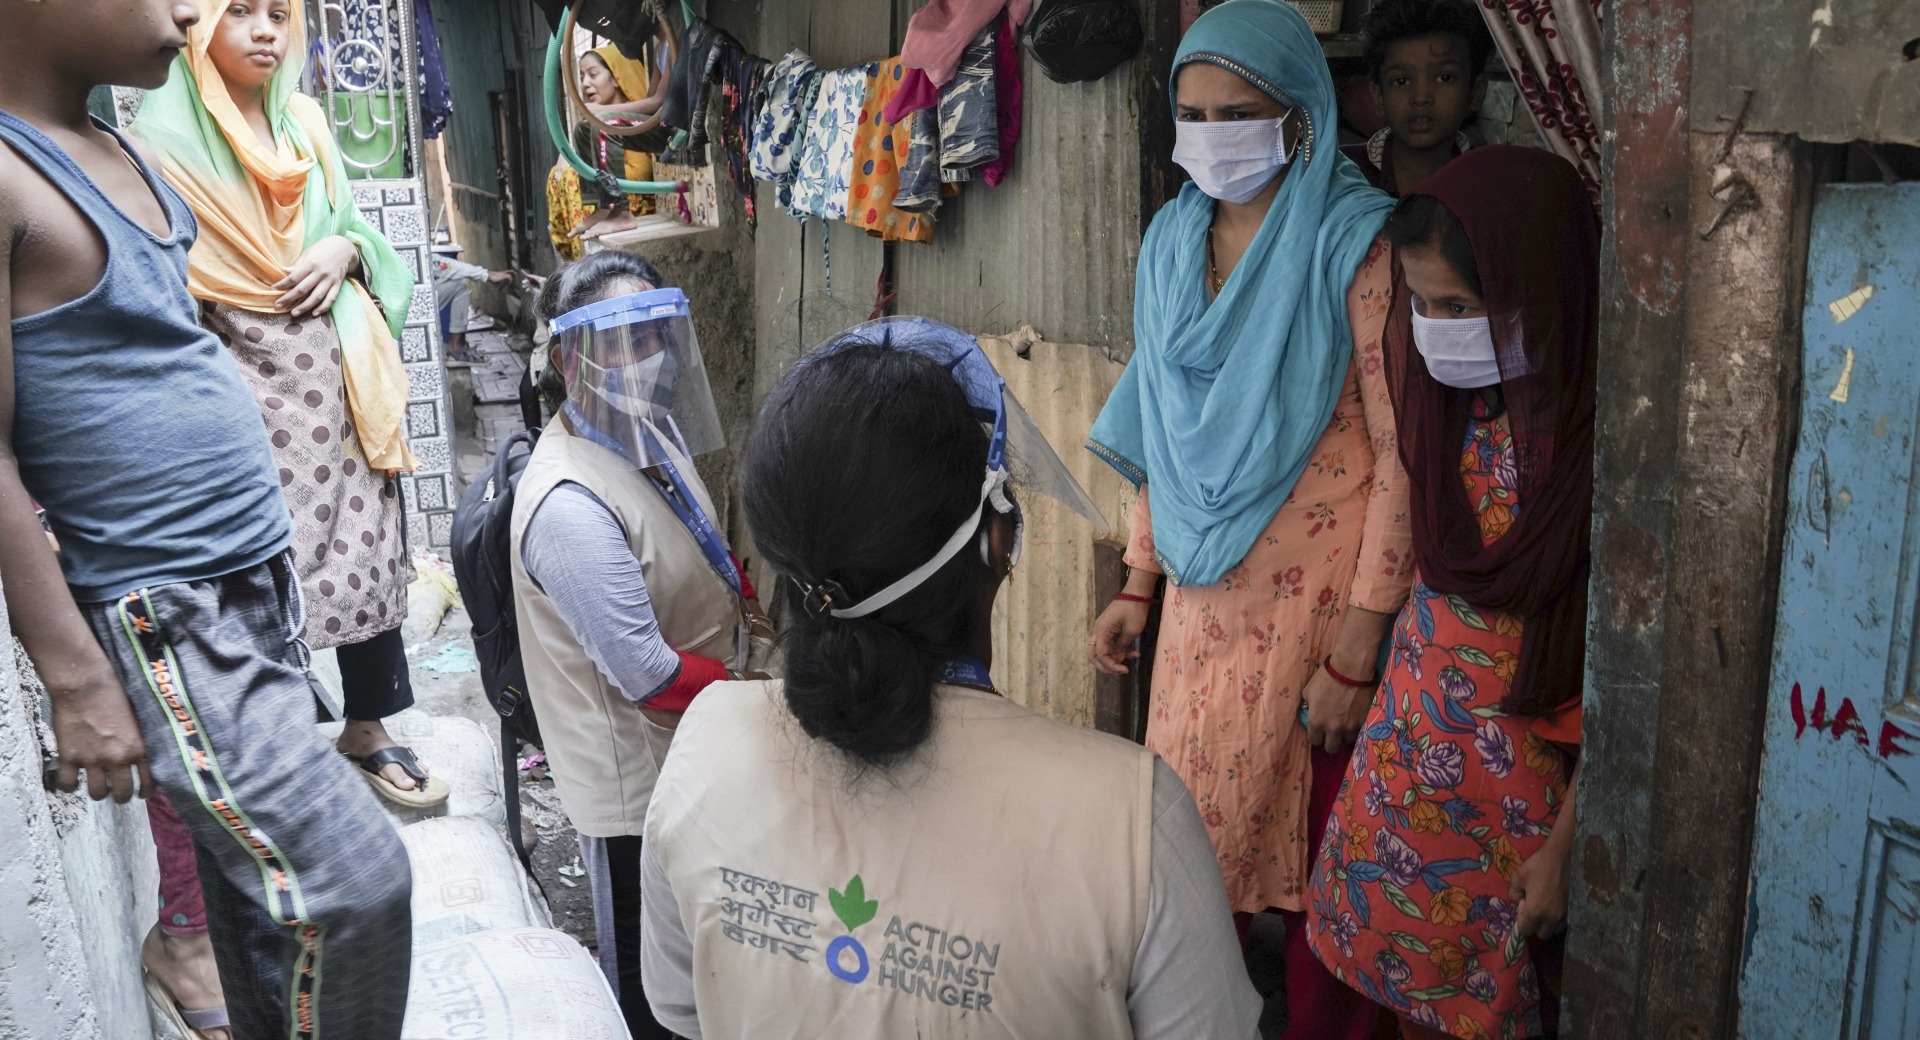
1255	419
883	845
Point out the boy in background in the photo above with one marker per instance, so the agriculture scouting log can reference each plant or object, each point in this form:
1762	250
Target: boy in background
1428	62
170	644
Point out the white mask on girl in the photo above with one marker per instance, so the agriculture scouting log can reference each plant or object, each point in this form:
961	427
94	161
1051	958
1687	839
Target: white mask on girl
1459	351
1231	161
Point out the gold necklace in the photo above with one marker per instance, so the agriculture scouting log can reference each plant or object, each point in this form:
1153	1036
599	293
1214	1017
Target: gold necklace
1213	268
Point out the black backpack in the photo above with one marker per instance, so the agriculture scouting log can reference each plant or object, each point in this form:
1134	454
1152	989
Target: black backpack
483	564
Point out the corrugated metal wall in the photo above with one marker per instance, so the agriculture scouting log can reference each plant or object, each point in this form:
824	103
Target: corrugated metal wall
471	45
1046	610
1052	247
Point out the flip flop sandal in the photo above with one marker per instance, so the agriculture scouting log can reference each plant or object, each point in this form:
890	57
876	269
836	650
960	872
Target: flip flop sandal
429	790
190	1024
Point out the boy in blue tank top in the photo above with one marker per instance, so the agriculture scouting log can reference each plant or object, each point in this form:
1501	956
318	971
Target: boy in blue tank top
167	633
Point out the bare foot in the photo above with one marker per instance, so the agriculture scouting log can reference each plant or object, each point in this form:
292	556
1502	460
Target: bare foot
184	965
621	220
361	739
589	222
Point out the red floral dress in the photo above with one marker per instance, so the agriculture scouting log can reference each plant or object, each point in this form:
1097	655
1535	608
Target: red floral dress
1447	795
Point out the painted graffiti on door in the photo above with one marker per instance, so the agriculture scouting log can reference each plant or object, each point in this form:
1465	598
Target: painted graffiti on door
1844	722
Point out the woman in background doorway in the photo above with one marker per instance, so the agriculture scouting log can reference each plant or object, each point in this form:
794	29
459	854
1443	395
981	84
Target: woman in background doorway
1443	877
609	81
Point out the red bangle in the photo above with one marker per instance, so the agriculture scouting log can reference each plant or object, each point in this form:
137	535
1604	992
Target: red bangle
1128	597
1334	673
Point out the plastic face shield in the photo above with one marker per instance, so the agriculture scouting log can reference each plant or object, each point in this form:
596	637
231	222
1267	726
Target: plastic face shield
1018	455
636	383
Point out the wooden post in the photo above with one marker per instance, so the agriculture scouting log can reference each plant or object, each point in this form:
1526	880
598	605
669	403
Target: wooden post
1740	362
1700	345
1645	213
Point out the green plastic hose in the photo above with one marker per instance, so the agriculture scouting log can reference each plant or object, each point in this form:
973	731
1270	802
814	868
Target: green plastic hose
557	126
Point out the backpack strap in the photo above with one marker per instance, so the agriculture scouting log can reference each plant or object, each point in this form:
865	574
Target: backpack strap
510	777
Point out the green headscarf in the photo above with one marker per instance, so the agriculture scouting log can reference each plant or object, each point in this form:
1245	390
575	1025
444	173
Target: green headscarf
259	209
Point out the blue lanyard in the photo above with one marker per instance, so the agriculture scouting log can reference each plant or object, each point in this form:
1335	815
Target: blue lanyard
695	520
965	670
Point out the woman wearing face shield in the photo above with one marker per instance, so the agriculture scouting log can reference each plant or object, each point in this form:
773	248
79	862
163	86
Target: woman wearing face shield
1468	779
629	601
1255	419
882	844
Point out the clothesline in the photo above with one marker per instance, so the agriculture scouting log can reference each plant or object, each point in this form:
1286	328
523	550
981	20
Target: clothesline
878	144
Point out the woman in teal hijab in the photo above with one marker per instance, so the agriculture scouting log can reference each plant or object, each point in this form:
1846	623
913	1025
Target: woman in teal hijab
1254	417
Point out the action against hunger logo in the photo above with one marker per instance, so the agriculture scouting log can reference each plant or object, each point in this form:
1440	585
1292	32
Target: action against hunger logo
938	966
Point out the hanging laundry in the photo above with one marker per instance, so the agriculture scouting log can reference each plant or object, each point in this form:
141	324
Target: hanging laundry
825	162
1008	93
916	94
919	190
809	95
969	125
436	94
685	103
939	34
777	128
879	151
740	75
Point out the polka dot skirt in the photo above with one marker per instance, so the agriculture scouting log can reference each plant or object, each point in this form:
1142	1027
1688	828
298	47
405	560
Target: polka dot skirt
347	545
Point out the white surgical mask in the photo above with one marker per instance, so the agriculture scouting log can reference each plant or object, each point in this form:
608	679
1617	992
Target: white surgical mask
1459	351
1231	161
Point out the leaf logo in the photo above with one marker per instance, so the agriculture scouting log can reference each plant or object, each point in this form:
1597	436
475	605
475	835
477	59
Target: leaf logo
852	906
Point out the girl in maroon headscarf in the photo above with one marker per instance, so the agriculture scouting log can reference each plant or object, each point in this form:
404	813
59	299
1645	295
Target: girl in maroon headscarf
1444	868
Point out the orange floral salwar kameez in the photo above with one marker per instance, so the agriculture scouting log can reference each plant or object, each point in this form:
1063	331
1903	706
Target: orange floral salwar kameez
1234	657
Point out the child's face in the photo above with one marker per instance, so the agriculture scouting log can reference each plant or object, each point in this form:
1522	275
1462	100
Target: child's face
129	44
597	85
250	41
1428	90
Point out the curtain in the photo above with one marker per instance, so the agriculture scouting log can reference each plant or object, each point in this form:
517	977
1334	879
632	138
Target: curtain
1552	48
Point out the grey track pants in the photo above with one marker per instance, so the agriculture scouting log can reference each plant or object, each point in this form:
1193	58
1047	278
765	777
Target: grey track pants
307	885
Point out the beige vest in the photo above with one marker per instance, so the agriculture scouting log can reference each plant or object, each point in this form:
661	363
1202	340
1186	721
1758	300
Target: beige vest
605	753
993	887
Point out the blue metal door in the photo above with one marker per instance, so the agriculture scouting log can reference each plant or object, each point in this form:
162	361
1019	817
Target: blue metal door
1834	924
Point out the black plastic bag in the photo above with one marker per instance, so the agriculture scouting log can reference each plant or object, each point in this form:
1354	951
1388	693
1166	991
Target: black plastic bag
1076	41
628	23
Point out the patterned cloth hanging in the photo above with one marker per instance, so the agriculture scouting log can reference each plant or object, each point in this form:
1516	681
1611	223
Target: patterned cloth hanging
879	151
824	171
1552	48
778	132
740	75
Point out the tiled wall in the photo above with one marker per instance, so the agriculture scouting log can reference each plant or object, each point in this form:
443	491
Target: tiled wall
399	209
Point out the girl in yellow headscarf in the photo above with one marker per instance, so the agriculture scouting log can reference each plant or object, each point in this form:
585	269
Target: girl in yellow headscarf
616	88
310	298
